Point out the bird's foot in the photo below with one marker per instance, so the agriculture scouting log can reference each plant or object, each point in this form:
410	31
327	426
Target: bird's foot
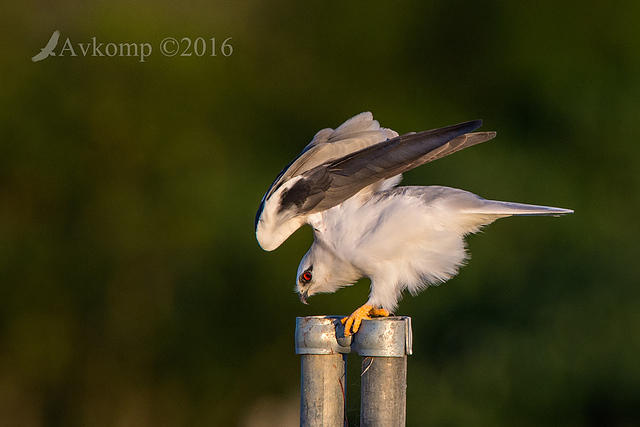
352	323
379	312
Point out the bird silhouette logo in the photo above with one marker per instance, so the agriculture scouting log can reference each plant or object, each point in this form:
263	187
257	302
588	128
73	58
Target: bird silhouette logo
47	51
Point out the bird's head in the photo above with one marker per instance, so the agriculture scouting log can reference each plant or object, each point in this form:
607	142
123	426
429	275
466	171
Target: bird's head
322	272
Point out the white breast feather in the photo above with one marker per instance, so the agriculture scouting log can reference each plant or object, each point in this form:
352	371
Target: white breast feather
402	242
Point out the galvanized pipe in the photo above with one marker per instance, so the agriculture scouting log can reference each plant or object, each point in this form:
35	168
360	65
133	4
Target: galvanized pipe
384	344
323	366
322	397
383	392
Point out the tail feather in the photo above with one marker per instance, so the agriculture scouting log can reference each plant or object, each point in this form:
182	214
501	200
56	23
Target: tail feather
494	207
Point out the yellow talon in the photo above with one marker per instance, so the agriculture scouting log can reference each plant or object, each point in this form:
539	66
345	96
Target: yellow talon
352	322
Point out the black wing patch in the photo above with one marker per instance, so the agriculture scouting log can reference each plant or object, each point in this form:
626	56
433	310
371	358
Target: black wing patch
308	192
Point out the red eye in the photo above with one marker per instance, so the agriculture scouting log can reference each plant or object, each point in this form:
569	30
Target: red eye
306	276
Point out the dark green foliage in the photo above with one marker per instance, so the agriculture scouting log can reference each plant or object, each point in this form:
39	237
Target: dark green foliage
133	291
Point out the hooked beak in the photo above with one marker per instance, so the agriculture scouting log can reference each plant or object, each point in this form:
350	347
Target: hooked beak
303	297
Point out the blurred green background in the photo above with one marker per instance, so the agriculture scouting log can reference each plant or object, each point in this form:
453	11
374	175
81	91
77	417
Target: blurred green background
133	292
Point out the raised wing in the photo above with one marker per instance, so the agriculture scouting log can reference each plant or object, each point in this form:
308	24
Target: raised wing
286	207
358	132
332	183
327	145
53	41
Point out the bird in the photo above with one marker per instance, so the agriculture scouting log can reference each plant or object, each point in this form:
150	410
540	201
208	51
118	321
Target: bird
345	185
47	51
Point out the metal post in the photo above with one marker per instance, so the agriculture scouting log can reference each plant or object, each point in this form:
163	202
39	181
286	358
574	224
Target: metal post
383	342
323	367
384	391
322	397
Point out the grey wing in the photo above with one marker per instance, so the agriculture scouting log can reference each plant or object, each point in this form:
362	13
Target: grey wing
358	132
457	144
332	183
327	145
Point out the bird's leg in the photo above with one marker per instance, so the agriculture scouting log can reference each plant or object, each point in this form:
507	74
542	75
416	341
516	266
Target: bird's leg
352	322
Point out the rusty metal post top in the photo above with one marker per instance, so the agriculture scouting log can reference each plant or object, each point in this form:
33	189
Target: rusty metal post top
384	336
321	335
381	336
